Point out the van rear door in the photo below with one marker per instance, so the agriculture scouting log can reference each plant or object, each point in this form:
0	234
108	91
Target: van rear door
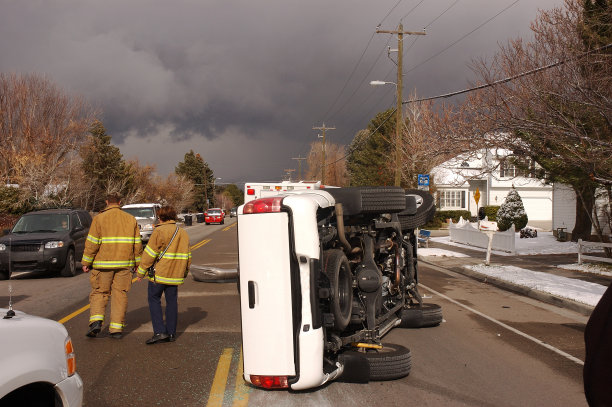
266	301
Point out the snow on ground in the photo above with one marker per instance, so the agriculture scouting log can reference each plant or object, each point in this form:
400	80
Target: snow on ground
570	288
574	289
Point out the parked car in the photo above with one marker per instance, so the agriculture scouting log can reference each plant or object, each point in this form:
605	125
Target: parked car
37	363
146	216
323	276
234	212
47	240
214	215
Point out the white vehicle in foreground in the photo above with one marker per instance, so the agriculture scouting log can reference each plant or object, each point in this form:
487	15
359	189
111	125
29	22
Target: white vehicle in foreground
37	363
323	276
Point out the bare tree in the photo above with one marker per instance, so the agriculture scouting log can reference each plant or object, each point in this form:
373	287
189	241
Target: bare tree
40	128
335	163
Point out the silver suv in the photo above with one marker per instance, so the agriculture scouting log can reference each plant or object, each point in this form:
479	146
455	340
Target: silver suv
146	216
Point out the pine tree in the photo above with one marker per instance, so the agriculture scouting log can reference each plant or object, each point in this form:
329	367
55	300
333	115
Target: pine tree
512	211
196	169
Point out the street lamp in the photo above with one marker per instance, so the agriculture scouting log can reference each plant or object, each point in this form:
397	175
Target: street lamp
398	120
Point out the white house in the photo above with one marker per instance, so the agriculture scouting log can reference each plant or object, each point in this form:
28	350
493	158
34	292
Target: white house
491	173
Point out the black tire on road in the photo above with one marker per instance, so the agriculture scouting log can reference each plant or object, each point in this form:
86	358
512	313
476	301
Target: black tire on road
338	270
425	212
421	317
69	269
389	363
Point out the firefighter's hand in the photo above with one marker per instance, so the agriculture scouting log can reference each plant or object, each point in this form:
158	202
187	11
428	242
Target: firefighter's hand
139	278
86	269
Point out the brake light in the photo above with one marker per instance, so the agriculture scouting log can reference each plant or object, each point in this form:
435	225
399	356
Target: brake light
250	191
270	382
263	205
70	357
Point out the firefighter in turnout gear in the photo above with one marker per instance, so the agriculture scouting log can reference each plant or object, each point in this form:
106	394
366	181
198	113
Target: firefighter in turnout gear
168	250
112	253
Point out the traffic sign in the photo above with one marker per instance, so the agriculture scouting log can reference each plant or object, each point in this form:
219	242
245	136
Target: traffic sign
477	196
423	180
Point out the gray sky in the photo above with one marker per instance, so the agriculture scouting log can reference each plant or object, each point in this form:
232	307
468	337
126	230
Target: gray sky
243	82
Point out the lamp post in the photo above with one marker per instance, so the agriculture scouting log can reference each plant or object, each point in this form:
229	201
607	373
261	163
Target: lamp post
398	122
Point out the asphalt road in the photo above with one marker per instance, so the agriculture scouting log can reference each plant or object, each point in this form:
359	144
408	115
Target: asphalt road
494	348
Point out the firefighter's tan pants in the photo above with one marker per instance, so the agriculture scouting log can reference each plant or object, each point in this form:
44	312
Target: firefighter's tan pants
114	284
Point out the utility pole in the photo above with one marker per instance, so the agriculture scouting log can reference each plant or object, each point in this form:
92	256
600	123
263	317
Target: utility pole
299	160
323	128
399	120
288	173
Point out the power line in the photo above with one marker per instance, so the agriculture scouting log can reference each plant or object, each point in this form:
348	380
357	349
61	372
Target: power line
462	38
509	78
411	10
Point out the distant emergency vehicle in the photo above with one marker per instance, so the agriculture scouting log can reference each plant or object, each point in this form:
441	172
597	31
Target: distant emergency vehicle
256	190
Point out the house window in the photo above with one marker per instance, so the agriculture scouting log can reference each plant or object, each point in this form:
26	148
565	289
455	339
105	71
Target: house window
509	169
452	199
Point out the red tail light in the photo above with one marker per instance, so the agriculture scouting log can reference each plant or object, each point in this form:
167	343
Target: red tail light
270	382
250	191
263	205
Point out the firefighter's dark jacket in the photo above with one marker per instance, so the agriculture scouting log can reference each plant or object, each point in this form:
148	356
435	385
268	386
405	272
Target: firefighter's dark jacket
113	241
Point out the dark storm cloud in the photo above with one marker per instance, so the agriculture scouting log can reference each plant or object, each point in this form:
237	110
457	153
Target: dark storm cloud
215	74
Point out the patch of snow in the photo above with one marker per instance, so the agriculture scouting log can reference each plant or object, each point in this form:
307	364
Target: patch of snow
587	268
440	252
573	289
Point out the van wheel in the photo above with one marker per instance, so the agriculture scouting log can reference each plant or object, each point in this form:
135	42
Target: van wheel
389	363
421	317
424	213
338	270
69	269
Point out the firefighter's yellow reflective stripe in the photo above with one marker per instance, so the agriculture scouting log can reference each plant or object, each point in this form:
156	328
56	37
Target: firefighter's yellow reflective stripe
93	239
110	264
120	239
96	318
172	256
167	280
137	259
88	259
116	325
141	271
150	251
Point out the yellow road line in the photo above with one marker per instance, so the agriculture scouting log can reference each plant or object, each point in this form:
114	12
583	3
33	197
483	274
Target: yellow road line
241	393
74	314
230	226
199	244
217	390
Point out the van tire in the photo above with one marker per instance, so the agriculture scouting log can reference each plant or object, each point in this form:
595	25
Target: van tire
338	270
424	213
426	315
69	269
389	363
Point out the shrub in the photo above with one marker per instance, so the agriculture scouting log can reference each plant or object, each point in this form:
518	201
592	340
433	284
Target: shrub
491	212
512	211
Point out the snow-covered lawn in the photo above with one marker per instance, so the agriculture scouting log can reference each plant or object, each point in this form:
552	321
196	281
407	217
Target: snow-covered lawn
574	289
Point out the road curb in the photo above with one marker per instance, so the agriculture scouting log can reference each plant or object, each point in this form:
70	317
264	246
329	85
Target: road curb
548	298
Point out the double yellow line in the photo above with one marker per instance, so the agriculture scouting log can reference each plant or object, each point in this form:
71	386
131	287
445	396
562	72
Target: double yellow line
217	390
86	307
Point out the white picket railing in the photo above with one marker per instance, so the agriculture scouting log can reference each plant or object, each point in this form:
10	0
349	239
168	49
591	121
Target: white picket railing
582	244
465	233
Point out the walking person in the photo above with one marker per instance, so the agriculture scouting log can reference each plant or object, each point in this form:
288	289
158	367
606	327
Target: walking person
168	251
112	253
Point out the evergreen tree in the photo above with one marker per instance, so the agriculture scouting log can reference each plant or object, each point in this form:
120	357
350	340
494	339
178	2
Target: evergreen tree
103	164
196	169
369	161
512	211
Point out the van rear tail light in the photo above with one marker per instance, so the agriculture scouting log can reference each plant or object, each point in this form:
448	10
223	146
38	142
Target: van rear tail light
250	191
270	382
263	205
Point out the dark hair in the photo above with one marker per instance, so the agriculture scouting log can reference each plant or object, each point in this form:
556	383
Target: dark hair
166	213
113	198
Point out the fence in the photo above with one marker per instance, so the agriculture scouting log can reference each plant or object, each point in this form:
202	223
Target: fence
582	257
463	232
